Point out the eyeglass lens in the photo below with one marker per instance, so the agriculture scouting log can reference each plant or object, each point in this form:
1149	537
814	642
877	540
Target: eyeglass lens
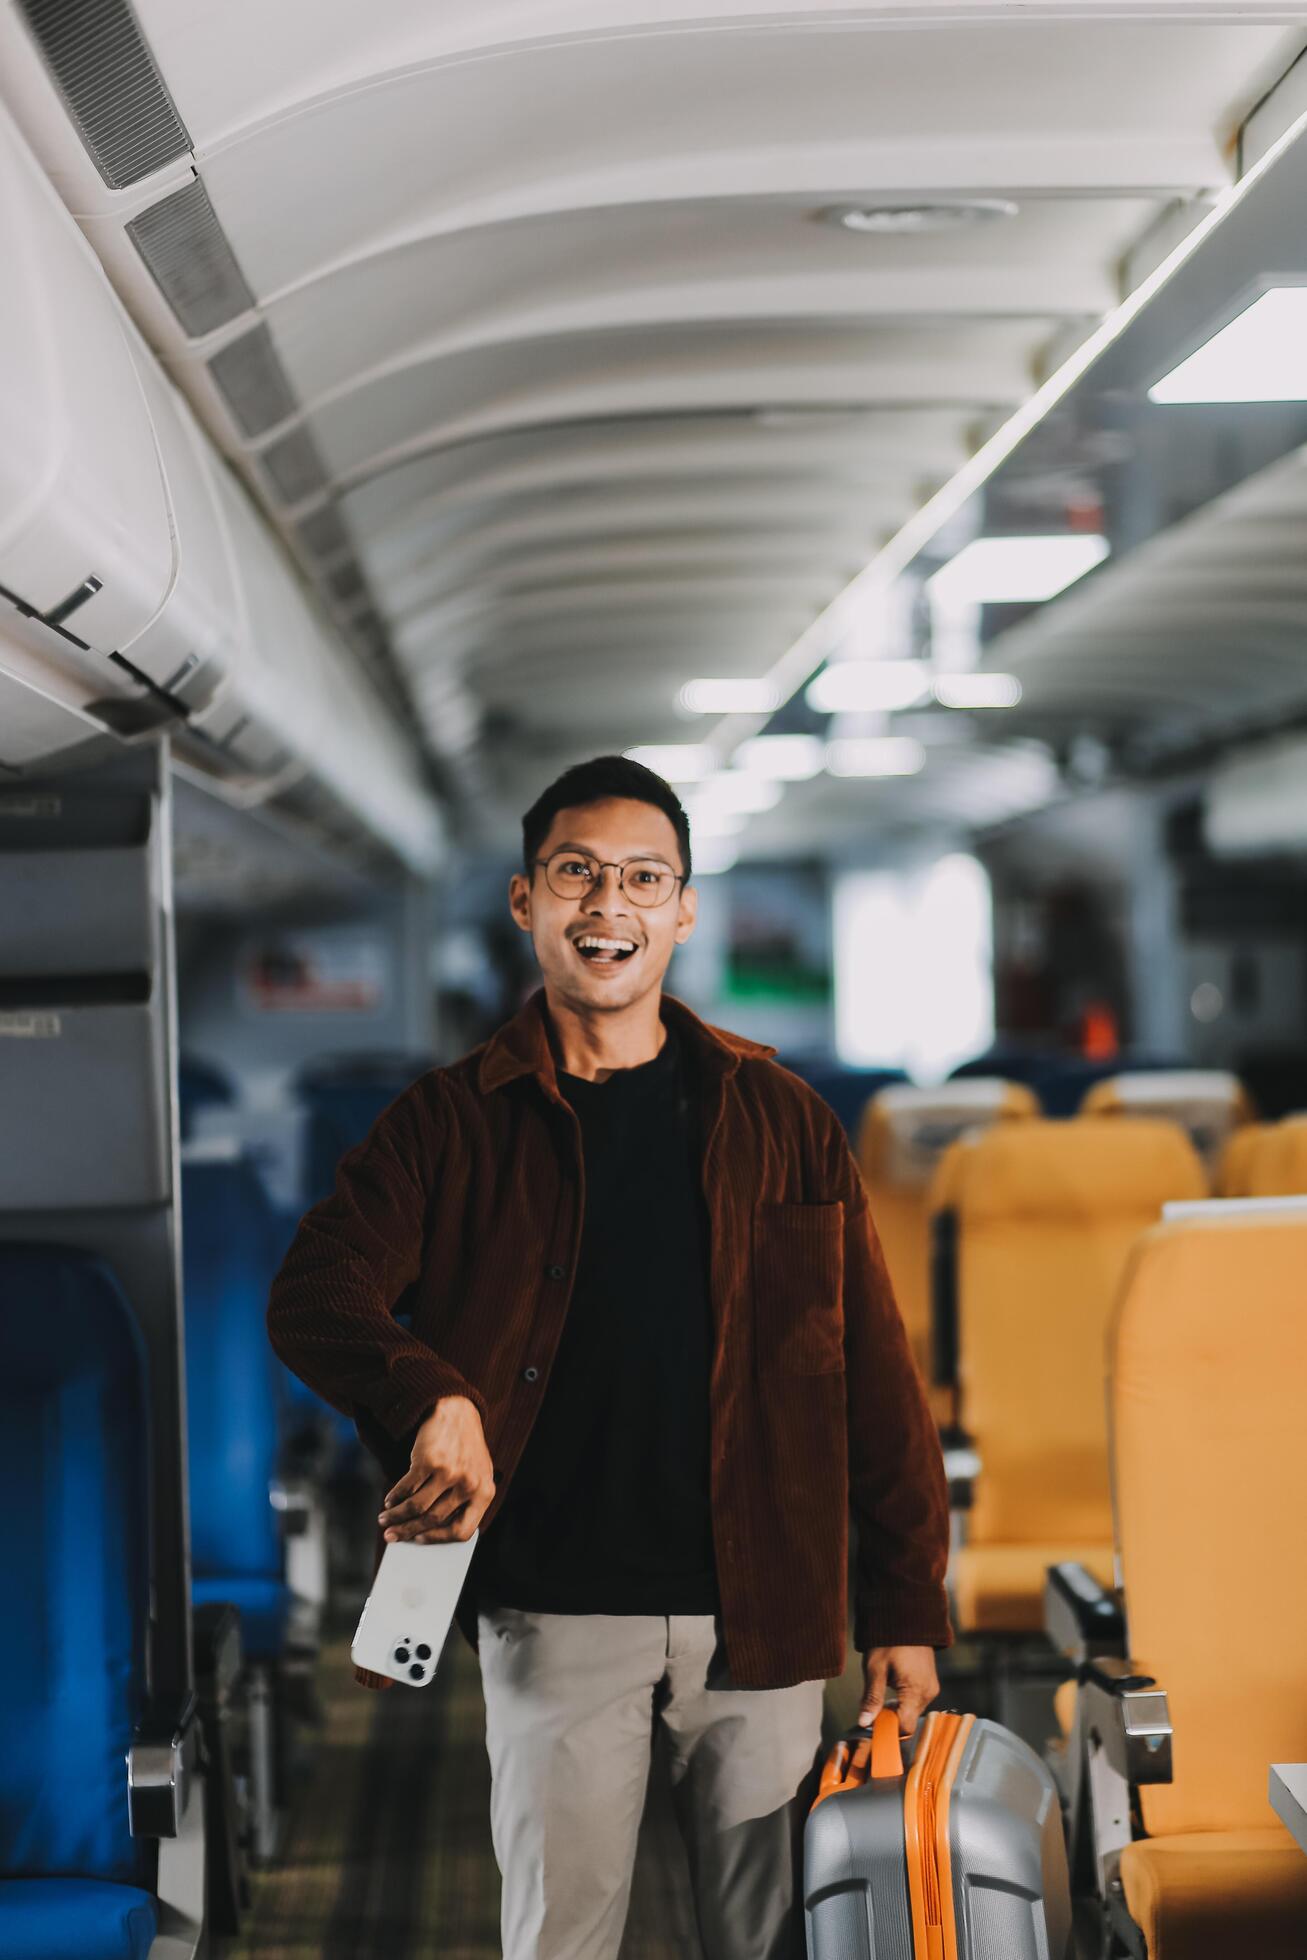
645	881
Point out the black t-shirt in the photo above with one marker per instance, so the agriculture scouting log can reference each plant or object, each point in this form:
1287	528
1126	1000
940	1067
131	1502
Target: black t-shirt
608	1510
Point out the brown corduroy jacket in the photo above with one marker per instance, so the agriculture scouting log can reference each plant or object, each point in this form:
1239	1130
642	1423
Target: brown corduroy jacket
463	1207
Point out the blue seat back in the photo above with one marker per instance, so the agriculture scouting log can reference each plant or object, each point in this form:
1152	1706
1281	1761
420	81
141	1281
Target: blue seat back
200	1086
343	1101
232	1393
74	1550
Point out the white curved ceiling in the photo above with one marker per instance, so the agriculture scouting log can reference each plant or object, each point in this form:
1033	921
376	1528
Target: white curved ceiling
603	402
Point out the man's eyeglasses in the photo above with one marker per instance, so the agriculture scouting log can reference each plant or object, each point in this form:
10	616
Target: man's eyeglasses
574	874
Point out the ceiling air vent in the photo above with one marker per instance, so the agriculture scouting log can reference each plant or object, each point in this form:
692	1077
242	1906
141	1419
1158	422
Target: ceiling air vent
112	90
293	467
252	381
322	533
186	253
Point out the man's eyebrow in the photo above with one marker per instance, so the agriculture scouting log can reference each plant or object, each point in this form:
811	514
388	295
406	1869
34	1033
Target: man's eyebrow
636	857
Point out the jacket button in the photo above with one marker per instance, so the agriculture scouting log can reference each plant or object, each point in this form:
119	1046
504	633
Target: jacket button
530	1374
556	1272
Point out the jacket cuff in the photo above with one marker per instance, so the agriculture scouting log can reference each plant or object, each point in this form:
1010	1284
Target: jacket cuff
901	1616
406	1399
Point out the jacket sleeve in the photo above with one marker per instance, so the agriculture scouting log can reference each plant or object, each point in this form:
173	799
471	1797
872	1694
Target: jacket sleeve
331	1309
897	1489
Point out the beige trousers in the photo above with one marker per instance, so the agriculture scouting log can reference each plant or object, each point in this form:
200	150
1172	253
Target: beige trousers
571	1704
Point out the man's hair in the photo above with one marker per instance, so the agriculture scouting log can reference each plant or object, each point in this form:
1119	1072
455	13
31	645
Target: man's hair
596	781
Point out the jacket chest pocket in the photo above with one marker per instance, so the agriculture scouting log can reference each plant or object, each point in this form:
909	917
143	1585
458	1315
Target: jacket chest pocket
798	1288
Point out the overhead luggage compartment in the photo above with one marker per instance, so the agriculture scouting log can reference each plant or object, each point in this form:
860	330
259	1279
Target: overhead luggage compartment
140	589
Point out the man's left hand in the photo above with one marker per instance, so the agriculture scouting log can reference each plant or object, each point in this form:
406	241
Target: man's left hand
910	1670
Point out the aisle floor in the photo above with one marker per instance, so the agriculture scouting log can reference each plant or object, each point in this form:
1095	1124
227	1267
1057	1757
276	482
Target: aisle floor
386	1850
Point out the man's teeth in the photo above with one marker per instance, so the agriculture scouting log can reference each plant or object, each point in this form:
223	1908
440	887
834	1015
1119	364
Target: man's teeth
592	942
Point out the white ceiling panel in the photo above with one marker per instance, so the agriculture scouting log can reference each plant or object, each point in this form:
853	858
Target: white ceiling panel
580	391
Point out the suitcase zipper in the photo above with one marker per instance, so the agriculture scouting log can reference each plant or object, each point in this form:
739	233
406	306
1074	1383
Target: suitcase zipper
926	1838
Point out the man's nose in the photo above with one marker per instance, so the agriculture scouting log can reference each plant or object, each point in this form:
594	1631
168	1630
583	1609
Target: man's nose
607	893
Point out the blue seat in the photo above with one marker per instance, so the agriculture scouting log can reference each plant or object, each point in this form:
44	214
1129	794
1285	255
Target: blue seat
234	1412
343	1099
59	1918
74	1548
200	1086
1060	1081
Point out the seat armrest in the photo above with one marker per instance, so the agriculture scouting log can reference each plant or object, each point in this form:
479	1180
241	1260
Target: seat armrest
961	1466
293	1500
1126	1716
161	1766
219	1655
1080	1616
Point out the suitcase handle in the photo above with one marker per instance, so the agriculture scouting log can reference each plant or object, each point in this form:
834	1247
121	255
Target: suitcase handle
873	1757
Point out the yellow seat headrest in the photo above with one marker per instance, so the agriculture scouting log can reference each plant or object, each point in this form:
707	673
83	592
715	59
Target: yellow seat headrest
1093	1166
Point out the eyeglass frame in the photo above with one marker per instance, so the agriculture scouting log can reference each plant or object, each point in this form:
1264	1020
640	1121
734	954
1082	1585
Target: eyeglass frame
610	864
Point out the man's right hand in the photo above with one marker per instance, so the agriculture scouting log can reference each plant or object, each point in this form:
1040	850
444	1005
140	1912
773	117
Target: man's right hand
450	1482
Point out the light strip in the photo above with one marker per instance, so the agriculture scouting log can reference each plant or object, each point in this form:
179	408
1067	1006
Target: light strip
977	690
807	653
862	686
1260	356
717	697
1014	571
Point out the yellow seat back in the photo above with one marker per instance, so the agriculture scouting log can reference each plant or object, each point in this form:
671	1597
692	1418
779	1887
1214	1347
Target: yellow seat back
1208	1367
903	1134
1234	1169
1277	1162
1047	1213
1210	1104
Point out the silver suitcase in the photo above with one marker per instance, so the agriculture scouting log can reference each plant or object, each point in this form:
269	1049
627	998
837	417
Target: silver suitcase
956	1853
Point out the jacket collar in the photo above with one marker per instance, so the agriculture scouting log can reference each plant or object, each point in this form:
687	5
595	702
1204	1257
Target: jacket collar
521	1046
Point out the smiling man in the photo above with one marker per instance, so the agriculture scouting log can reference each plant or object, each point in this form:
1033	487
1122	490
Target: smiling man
655	1356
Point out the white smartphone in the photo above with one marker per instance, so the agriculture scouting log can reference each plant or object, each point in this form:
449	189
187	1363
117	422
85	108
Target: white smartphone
406	1617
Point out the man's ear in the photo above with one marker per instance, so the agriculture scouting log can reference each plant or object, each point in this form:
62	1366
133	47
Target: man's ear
688	913
519	900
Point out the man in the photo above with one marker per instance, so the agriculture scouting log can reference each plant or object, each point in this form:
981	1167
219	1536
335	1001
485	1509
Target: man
655	1357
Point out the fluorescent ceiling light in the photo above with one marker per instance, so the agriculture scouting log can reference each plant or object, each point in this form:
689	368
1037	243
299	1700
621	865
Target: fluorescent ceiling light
725	697
677	762
1011	571
714	854
977	690
785	758
853	686
1261	356
735	789
875	755
899	219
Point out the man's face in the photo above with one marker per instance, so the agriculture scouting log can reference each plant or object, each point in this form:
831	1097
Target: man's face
577	972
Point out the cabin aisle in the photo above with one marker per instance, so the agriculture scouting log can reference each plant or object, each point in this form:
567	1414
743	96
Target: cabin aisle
387	1849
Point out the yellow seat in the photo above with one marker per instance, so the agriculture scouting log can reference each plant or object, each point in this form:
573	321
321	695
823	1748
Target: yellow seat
1276	1165
1208	1357
903	1134
1234	1169
1064	1705
1211	1105
1046	1214
1218	1894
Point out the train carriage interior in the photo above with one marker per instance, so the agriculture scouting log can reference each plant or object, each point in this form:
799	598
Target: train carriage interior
888	424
